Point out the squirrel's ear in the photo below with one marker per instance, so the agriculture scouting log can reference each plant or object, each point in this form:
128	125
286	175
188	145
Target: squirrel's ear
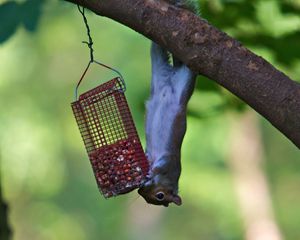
177	200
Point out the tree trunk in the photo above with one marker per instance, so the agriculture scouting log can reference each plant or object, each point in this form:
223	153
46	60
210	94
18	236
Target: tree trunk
5	232
245	160
212	53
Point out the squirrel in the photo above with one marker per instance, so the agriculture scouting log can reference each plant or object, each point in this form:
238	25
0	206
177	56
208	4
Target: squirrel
171	89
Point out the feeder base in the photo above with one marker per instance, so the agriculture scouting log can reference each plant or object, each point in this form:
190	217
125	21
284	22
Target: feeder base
118	168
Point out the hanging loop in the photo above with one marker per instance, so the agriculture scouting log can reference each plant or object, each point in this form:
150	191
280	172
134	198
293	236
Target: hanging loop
92	60
77	86
122	89
116	71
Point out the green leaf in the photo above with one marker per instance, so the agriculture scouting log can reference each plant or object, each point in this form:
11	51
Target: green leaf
9	19
273	21
31	12
13	13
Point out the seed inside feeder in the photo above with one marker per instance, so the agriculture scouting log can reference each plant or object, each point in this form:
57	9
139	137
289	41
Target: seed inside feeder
120	158
117	173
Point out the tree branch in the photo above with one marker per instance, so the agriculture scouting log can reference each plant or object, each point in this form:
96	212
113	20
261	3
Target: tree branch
212	53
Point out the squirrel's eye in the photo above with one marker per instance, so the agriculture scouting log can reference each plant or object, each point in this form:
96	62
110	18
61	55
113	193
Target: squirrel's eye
160	196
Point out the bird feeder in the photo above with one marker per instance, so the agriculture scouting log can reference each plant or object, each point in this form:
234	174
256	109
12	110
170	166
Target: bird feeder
110	138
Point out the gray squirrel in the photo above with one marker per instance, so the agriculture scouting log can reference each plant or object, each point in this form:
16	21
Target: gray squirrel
171	88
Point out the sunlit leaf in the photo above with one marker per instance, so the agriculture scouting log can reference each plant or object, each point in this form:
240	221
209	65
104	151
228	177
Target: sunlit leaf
273	21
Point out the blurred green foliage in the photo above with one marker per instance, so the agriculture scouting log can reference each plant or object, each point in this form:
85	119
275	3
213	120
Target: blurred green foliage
47	178
15	13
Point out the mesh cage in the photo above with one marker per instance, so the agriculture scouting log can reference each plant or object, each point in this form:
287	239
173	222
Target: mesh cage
110	138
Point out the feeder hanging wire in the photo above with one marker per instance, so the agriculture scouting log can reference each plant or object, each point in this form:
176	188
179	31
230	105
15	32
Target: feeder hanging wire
92	60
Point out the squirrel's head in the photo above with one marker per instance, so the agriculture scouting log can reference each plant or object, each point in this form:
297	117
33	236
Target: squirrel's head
159	191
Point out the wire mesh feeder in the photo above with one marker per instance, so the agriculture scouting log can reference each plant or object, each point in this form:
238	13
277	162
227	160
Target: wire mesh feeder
110	138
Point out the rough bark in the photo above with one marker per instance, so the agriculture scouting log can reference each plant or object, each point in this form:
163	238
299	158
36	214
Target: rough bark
211	52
